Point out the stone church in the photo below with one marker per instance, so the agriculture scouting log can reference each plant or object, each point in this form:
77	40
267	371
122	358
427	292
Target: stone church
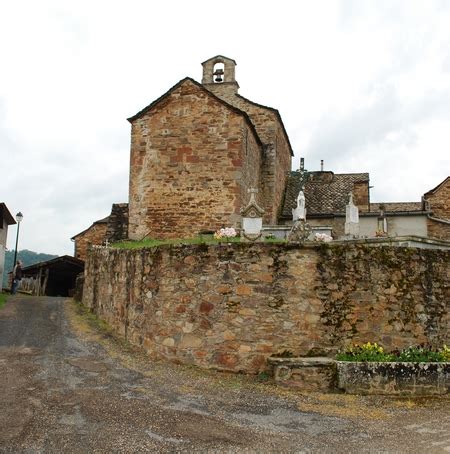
198	149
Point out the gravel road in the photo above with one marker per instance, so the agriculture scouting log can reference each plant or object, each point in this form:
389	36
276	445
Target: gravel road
67	386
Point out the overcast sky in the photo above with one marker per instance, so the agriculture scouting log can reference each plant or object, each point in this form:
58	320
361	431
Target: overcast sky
364	85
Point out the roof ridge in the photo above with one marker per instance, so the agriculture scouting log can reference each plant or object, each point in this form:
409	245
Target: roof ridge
276	112
199	85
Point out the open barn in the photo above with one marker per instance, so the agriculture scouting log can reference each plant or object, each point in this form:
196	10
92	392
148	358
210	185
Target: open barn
54	277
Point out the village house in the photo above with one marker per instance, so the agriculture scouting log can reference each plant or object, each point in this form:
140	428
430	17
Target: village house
6	219
198	150
327	195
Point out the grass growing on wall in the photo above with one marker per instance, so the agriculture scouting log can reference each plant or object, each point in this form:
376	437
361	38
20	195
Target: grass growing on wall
202	239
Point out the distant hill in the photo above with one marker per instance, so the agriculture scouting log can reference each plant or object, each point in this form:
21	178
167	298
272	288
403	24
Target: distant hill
27	257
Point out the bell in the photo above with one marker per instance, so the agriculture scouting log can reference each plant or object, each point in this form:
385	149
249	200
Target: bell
218	73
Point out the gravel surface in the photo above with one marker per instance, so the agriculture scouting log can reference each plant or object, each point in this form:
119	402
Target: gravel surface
68	386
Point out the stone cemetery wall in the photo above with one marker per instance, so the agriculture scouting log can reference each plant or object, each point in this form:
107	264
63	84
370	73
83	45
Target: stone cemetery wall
230	306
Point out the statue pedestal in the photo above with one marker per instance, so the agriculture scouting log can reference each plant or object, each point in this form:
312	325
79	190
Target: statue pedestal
352	229
300	232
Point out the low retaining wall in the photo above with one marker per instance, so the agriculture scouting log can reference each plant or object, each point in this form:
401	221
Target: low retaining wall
231	306
390	378
394	378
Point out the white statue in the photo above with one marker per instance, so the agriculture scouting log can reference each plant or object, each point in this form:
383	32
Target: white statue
299	213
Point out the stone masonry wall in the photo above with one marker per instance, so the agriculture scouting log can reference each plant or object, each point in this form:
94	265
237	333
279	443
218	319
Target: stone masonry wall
93	235
440	206
276	163
188	166
231	306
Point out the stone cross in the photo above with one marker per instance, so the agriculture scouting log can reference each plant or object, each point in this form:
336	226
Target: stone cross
299	213
252	192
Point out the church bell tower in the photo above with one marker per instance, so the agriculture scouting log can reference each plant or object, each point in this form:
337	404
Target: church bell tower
219	76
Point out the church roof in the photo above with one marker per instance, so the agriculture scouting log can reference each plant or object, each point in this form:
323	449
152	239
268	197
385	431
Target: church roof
219	56
276	112
325	192
201	87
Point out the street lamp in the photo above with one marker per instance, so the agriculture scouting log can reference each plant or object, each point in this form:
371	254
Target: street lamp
19	217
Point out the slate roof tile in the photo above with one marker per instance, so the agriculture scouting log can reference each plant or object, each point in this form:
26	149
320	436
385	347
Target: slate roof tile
325	192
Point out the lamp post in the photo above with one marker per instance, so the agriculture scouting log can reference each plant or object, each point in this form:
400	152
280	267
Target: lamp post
19	217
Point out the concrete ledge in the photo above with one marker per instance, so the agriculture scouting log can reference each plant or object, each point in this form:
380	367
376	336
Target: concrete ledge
394	378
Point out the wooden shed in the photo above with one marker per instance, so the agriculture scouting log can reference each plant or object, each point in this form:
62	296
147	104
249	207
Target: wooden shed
55	277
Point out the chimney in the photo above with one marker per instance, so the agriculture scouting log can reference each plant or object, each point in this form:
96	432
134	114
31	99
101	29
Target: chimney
302	164
321	165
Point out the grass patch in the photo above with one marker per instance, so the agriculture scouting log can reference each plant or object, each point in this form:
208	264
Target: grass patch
2	299
85	314
202	239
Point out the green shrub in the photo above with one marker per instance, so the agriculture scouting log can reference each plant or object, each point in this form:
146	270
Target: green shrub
372	352
365	352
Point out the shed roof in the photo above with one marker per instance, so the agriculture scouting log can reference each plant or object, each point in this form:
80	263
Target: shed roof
64	261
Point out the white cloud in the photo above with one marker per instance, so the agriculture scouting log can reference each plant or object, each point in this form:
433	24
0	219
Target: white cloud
364	85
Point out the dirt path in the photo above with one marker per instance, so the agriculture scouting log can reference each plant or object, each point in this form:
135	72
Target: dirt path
66	388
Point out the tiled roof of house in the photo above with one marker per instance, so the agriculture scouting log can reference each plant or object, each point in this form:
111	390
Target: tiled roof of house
396	207
6	215
432	191
325	192
100	221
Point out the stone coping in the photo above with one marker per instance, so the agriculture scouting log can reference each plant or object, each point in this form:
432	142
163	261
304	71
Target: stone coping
301	361
421	365
413	242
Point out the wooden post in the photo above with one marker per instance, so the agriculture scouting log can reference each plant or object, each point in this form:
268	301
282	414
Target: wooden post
44	287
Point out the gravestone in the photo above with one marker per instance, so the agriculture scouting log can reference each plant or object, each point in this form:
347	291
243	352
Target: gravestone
252	216
351	218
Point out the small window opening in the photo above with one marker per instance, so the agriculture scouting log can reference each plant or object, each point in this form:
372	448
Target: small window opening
218	73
